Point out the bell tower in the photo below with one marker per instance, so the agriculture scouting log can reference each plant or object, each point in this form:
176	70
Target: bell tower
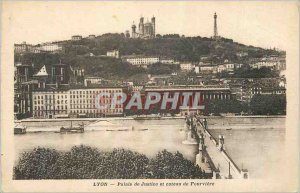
153	25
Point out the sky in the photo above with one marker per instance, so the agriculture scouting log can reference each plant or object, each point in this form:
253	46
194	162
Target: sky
263	24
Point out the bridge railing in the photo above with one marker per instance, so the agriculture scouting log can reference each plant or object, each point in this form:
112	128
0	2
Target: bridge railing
224	153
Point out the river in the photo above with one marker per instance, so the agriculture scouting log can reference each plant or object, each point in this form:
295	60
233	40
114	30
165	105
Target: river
253	143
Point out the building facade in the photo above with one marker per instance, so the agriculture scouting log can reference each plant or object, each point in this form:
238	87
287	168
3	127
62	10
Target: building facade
23	48
140	60
50	103
187	66
208	69
76	38
206	94
83	102
51	47
75	102
91	36
113	53
92	81
46	47
24	84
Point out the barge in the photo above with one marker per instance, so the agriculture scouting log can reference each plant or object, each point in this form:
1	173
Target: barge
71	129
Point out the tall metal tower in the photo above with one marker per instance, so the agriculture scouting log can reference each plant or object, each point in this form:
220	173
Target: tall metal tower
215	26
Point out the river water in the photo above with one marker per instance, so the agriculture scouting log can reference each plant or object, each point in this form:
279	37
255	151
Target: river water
253	143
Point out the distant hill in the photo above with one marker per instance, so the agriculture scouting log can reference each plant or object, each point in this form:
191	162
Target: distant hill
174	46
77	53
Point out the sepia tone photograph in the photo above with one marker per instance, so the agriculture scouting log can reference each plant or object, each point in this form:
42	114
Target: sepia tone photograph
149	96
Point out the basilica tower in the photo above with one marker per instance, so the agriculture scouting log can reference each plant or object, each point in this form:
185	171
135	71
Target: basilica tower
141	26
153	25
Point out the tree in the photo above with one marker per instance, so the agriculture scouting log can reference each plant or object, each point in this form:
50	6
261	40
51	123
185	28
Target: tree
268	104
122	164
78	163
84	162
172	166
36	164
218	106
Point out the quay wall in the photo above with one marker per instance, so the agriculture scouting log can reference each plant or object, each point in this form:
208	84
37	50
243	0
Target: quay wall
76	121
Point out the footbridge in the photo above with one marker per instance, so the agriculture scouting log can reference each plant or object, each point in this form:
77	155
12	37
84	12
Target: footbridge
212	157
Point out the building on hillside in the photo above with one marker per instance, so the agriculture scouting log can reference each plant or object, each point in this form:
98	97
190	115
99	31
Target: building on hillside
144	61
273	62
140	60
241	54
238	65
159	80
146	30
51	47
187	66
229	66
76	38
208	69
92	81
113	53
267	90
45	47
23	48
204	58
221	68
167	61
267	64
92	36
197	69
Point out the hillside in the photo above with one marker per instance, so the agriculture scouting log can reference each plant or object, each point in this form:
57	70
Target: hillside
77	53
174	46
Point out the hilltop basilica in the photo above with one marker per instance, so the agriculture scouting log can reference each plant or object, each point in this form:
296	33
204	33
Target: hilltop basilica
146	30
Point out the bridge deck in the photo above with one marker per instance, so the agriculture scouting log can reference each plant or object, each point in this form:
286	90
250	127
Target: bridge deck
219	158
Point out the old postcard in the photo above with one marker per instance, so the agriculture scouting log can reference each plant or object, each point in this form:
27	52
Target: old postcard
149	96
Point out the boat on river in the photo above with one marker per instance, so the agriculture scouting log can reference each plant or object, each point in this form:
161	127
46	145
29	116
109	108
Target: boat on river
19	129
71	129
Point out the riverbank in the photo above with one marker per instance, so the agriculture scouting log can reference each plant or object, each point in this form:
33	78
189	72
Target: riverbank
128	123
142	118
